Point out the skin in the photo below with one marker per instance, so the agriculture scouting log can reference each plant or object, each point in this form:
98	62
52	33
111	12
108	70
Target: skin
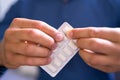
41	41
99	47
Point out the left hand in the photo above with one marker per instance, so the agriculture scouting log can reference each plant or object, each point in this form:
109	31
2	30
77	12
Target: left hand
99	47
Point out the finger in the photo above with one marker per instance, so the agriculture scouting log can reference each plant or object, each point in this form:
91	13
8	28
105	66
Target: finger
32	35
34	61
112	65
98	45
25	60
30	50
27	23
95	60
92	32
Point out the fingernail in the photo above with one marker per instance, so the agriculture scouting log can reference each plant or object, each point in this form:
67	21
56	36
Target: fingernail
49	60
69	34
50	52
59	37
54	46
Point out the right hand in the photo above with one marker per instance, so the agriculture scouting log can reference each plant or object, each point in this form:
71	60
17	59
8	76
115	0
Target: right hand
17	53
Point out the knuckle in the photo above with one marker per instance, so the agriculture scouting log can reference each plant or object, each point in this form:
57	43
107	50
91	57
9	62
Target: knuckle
35	33
92	32
27	50
35	24
93	61
47	53
51	42
38	24
8	32
93	43
16	19
6	46
77	43
41	24
31	33
44	61
29	61
8	57
15	22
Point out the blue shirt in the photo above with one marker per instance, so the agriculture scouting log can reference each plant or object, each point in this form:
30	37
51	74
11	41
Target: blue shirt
79	13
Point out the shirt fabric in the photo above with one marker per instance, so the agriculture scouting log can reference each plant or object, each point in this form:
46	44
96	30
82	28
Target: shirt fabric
79	13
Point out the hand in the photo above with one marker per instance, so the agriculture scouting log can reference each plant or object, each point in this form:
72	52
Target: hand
99	47
20	43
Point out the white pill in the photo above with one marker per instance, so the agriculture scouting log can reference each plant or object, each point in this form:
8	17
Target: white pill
67	51
57	62
51	67
62	57
72	45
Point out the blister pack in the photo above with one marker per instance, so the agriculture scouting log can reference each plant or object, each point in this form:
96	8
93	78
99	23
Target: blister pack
64	52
